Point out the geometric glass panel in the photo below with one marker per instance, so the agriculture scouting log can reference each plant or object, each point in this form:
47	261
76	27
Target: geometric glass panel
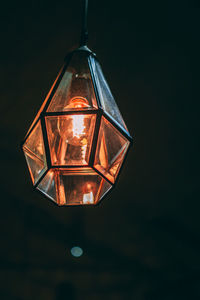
106	98
70	138
76	187
75	90
48	186
110	151
44	103
35	153
106	186
35	165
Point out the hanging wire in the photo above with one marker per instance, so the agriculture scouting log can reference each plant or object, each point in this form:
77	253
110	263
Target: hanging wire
84	32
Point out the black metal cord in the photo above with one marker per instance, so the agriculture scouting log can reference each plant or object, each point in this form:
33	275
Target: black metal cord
84	32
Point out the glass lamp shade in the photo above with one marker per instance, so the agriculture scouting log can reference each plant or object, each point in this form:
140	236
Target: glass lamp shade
78	141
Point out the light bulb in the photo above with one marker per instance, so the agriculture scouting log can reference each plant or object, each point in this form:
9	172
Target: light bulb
73	131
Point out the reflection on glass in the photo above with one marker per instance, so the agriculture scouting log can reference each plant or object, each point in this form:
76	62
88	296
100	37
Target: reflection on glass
74	186
106	98
111	149
35	153
79	187
48	185
75	83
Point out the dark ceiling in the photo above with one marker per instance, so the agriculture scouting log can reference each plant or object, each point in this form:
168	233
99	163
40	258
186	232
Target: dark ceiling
142	242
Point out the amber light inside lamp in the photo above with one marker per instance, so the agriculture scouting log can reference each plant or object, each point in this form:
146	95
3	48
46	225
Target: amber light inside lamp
78	141
69	136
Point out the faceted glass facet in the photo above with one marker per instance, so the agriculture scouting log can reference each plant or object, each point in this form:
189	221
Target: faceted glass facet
44	103
106	186
106	98
77	187
111	150
70	138
35	153
74	186
75	90
48	185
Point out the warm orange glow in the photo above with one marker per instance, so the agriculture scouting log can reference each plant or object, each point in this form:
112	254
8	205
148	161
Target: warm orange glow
78	129
74	132
73	150
111	149
77	102
62	195
70	138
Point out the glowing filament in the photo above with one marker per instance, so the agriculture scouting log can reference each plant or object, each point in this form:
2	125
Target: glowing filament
74	131
78	127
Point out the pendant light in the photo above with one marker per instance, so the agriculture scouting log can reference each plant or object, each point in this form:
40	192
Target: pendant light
78	141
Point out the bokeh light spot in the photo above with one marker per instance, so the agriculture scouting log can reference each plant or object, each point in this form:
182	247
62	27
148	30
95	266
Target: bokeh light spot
76	251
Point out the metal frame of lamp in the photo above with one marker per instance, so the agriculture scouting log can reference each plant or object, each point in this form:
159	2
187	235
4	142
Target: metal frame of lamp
53	173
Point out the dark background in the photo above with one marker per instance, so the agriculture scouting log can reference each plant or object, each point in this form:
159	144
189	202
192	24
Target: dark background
142	242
